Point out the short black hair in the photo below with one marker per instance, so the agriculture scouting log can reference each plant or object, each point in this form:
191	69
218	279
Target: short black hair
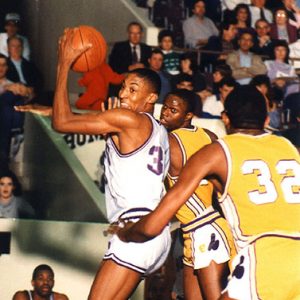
229	81
224	69
261	79
40	268
150	76
246	108
189	97
163	33
184	77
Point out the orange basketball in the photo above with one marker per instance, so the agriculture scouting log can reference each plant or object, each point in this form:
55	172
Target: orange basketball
95	55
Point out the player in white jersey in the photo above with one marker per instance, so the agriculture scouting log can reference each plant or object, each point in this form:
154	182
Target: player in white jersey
137	160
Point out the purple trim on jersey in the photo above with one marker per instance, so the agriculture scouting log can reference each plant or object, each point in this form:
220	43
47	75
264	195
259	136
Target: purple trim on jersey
135	213
139	148
183	226
125	264
279	235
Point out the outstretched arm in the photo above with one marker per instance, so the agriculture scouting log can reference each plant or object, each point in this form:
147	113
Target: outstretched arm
208	161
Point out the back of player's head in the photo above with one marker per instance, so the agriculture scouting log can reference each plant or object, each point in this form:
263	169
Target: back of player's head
246	108
190	98
41	268
150	76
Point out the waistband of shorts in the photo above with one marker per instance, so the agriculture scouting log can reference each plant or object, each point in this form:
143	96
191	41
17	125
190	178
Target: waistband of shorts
198	222
134	214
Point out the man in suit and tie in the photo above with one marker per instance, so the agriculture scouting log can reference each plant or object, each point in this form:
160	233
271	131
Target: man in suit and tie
131	54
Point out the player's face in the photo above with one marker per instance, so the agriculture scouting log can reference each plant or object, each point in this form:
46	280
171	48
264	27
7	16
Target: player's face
134	93
43	283
167	43
217	76
134	34
3	68
173	113
6	188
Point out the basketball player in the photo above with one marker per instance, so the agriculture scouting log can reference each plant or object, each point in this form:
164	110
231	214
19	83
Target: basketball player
42	282
201	223
258	174
136	163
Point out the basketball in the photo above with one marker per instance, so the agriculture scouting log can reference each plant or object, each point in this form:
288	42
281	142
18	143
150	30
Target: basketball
95	55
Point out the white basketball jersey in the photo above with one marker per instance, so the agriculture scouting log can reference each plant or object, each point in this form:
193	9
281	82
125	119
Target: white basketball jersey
135	181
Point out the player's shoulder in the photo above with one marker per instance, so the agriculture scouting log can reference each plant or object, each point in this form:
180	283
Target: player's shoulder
59	296
20	295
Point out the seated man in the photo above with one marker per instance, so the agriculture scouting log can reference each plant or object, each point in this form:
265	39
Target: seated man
11	94
244	64
12	27
42	283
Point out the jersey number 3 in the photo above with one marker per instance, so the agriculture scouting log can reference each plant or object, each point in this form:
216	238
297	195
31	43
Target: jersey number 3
290	169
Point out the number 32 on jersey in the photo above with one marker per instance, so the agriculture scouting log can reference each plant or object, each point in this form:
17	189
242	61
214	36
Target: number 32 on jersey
290	183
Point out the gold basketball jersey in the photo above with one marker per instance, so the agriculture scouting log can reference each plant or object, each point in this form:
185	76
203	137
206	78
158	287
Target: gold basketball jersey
262	192
190	141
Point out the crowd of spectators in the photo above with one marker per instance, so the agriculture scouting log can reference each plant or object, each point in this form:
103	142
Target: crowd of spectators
257	40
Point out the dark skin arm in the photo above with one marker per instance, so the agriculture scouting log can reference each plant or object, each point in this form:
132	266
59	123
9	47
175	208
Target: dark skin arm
209	161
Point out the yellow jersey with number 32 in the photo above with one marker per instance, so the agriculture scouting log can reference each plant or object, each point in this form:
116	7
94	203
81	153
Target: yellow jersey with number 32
262	192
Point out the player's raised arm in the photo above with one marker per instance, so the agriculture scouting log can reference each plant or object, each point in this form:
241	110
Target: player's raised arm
205	162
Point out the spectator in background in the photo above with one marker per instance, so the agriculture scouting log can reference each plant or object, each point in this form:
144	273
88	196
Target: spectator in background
12	27
242	16
155	62
263	44
243	63
293	12
171	62
11	203
224	43
263	84
259	11
131	54
221	71
185	82
42	282
20	69
281	29
188	65
213	105
11	94
280	72
197	29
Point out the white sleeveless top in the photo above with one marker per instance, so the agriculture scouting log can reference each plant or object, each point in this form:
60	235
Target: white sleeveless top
134	181
30	296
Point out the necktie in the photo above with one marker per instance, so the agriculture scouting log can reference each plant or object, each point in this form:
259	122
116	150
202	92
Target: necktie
134	55
262	14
